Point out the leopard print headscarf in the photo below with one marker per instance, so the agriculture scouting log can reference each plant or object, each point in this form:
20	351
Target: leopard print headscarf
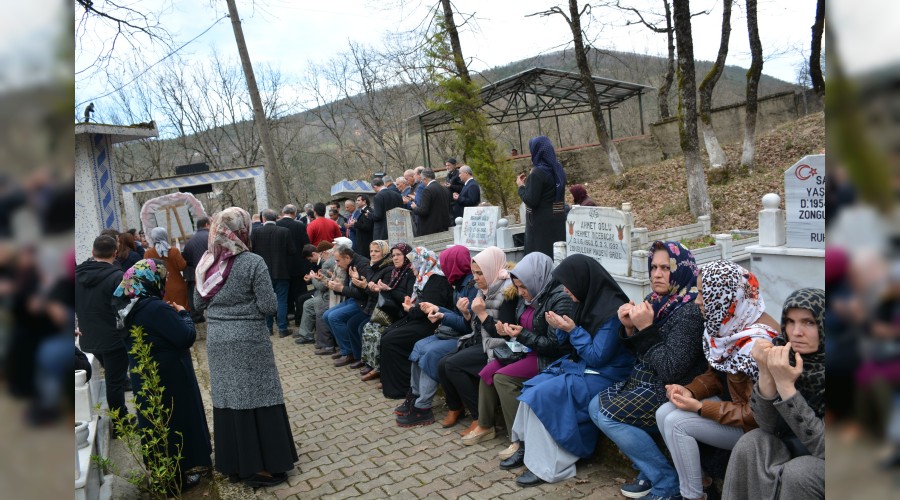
811	383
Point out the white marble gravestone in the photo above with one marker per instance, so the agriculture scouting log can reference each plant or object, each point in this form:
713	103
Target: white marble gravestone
164	217
479	227
602	233
399	224
804	192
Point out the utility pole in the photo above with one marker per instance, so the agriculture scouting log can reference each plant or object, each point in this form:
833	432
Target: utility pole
259	115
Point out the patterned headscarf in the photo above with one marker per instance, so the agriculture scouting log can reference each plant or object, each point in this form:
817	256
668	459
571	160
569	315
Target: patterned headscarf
147	278
732	304
159	238
682	280
385	254
229	235
811	383
534	271
456	262
543	157
399	272
425	263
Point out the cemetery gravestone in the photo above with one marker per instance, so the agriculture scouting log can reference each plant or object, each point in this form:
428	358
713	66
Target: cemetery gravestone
479	228
399	224
804	192
178	218
602	233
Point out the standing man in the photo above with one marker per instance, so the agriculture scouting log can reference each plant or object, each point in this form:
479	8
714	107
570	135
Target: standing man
363	225
453	183
308	214
193	250
298	267
335	215
322	228
275	245
433	212
95	281
389	184
385	199
470	196
351	215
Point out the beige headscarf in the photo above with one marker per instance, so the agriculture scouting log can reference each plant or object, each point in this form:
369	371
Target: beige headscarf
229	235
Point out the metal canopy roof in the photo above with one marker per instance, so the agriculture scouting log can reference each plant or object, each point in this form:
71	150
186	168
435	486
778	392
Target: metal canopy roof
538	93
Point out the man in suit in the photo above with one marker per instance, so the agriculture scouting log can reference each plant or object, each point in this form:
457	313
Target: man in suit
276	246
453	183
385	199
193	250
362	225
470	196
297	290
433	211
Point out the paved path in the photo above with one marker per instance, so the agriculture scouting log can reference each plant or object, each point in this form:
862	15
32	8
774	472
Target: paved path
350	446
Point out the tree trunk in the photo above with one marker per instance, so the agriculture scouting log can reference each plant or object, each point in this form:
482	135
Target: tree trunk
815	53
458	60
713	149
753	74
584	68
662	95
259	115
698	197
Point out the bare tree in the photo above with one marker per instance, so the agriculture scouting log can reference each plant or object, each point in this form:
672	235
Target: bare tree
815	54
698	197
753	75
662	93
713	149
573	19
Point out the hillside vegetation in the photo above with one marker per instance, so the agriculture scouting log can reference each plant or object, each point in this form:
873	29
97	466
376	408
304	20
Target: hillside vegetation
659	197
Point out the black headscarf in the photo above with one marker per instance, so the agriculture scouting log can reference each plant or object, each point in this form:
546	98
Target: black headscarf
543	157
811	383
598	294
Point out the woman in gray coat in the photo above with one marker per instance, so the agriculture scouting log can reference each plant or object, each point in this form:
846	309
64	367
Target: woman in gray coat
253	440
785	457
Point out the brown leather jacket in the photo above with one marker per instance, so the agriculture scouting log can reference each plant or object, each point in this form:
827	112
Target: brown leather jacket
736	412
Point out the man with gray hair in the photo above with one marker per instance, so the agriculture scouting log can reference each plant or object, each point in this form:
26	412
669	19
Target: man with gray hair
389	184
432	209
275	245
470	196
297	289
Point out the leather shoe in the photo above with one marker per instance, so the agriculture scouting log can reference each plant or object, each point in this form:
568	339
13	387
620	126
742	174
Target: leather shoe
323	351
303	340
285	333
357	365
516	460
452	417
366	369
344	360
479	435
372	375
528	479
337	354
261	481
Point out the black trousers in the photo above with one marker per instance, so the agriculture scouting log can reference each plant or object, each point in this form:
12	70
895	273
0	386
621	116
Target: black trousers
115	366
297	288
458	374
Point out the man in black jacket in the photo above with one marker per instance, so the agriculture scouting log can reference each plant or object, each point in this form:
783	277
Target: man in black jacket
385	199
95	281
363	225
347	318
275	246
433	211
297	291
470	196
193	250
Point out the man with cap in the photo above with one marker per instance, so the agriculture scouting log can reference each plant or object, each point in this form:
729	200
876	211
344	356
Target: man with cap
454	183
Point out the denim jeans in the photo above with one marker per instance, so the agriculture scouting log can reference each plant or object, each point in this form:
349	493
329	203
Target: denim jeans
281	292
640	448
337	318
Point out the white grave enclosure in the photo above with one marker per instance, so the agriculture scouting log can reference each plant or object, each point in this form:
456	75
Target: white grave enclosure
602	233
399	225
479	227
176	221
804	192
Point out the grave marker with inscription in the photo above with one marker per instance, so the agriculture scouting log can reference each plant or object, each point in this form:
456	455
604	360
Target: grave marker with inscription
804	193
399	225
602	233
479	228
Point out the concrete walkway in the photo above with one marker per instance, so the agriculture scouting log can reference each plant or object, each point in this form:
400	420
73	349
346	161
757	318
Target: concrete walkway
349	445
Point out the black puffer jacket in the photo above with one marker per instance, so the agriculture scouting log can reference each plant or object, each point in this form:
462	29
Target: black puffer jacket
95	283
541	338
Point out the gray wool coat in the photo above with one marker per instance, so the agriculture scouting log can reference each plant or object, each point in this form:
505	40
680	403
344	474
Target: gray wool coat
242	367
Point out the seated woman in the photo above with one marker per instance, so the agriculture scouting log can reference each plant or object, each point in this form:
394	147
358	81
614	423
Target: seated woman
714	408
428	352
398	340
785	457
495	302
169	332
665	332
552	421
500	385
392	287
364	285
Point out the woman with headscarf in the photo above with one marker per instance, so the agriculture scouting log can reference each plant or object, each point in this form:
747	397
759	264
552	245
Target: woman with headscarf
397	342
785	457
392	285
495	302
253	437
552	421
427	353
169	332
665	334
715	407
176	287
543	192
500	385
580	196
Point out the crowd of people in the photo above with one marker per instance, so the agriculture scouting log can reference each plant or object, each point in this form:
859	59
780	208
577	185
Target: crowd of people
553	356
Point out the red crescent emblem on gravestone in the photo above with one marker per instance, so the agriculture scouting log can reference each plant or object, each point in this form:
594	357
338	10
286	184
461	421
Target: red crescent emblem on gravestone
804	172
